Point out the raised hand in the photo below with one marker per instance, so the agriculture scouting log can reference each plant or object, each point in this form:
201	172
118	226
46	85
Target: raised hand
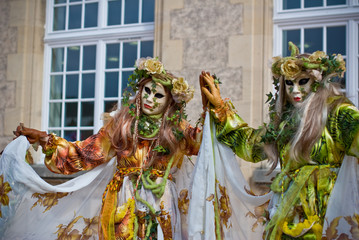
210	90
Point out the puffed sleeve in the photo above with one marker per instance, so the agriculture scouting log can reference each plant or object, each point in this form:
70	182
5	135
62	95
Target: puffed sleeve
234	132
344	127
69	157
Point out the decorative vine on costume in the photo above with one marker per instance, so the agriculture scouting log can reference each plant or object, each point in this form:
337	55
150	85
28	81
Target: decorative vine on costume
312	128
149	137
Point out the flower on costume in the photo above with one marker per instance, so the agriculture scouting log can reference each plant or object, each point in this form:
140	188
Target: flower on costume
153	66
4	189
290	69
317	56
181	90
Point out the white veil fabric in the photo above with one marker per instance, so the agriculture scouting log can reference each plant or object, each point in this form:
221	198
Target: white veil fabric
34	209
218	188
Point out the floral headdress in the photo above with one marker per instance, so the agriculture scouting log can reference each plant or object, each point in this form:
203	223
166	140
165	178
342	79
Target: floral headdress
153	68
318	64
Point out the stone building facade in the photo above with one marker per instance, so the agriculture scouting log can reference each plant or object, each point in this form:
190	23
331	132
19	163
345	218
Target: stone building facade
231	38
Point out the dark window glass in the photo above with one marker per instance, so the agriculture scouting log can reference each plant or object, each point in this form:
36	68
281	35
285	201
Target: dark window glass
72	86
336	2
148	10
124	81
91	10
146	49
59	18
88	85
70	114
129	54
89	58
55	114
87	112
114	12
70	135
109	106
85	134
57	60
313	40
131	11
291	4
313	3
293	36
56	87
73	58
75	16
112	55
336	40
111	84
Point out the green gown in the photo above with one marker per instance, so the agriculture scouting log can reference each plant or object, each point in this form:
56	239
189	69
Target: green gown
302	189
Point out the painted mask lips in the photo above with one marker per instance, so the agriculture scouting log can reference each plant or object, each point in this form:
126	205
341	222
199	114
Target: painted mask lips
147	106
297	99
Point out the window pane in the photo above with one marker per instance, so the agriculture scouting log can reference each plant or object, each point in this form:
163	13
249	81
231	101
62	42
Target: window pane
57	132
109	106
131	11
75	0
70	114
85	134
89	58
87	112
313	40
290	35
336	2
111	84
88	85
336	40
75	16
124	81
147	49
91	15
59	18
129	54
70	135
55	110
114	12
112	53
291	4
313	3
60	1
57	60
73	58
148	10
72	86
56	87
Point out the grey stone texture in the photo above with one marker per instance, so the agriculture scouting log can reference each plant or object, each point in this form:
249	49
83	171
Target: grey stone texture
205	26
8	45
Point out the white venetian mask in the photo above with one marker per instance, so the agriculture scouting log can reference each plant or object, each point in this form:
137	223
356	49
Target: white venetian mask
154	98
298	89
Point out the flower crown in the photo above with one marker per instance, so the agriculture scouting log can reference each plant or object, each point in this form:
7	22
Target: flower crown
318	65
153	68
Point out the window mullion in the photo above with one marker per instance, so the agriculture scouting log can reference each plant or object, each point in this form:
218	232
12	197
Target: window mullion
122	12
99	84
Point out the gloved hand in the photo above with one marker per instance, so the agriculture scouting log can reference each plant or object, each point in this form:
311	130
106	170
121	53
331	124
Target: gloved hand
210	90
33	136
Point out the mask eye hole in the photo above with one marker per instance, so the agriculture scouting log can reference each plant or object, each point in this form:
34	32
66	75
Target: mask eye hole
303	81
147	90
159	95
289	82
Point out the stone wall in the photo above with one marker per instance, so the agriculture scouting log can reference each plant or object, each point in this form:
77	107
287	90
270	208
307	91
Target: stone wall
21	65
231	38
8	45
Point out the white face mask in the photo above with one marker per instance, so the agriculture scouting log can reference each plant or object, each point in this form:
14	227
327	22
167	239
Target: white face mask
298	89
154	98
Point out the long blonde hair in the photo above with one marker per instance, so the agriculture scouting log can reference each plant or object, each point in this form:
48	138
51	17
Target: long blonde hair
313	113
119	128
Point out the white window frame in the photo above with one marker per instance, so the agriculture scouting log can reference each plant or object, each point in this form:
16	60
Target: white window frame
99	36
304	18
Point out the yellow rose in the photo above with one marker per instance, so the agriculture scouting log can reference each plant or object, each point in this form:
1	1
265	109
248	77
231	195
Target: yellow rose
179	85
153	66
317	56
140	63
341	61
181	91
290	69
